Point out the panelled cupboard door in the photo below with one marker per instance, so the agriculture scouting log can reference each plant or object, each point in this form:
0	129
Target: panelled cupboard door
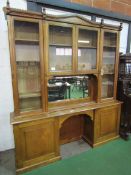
36	142
26	64
106	123
109	63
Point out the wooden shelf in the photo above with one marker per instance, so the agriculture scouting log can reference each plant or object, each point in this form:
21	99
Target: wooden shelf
87	47
108	73
60	45
107	83
109	46
30	95
27	40
28	61
104	57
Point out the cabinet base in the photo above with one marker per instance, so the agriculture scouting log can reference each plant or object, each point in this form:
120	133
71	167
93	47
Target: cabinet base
31	167
104	141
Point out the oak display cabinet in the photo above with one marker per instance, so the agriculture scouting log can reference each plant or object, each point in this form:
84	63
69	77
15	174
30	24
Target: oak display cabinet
64	78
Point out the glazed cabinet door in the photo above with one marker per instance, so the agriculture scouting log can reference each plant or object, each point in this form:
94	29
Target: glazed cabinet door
88	49
26	43
106	123
109	64
36	142
60	48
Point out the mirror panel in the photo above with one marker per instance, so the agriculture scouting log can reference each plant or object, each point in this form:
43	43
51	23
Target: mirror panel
70	87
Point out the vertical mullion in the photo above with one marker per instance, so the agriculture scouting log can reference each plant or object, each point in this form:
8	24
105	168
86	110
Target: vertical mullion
13	64
41	37
75	50
116	65
100	65
46	62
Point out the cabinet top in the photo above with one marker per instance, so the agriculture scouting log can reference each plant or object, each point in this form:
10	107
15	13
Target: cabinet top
84	108
72	19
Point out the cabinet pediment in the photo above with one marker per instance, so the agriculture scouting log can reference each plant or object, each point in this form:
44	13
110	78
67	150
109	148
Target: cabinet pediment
74	19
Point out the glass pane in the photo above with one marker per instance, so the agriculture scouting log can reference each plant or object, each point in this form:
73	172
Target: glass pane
109	56
107	86
26	30
71	87
110	39
60	48
87	49
108	64
28	65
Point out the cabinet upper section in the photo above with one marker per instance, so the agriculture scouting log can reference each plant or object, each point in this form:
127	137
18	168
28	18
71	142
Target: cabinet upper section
61	58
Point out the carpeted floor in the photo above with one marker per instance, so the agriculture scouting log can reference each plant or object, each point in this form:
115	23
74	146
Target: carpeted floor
113	158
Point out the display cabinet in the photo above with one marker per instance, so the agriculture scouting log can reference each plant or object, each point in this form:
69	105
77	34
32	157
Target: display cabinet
64	79
124	94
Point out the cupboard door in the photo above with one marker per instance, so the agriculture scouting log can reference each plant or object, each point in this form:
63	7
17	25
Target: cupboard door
36	142
27	52
106	123
60	48
87	49
109	64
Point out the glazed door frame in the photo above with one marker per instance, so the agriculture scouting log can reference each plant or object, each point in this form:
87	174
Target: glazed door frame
46	55
11	20
115	65
93	71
